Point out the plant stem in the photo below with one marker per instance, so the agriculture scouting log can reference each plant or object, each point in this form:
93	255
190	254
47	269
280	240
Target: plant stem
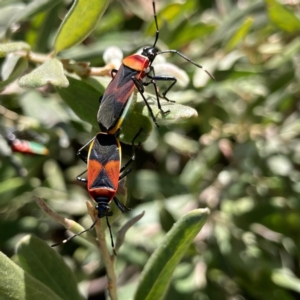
67	223
108	259
80	68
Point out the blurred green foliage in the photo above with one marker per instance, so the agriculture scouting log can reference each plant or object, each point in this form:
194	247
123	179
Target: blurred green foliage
239	157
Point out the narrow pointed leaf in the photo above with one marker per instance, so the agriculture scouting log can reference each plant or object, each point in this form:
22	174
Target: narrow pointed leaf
49	72
240	34
282	17
83	99
14	67
43	263
79	23
285	279
35	7
7	14
16	284
11	184
122	232
158	271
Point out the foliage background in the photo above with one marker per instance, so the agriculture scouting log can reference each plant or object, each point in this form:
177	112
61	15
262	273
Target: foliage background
240	157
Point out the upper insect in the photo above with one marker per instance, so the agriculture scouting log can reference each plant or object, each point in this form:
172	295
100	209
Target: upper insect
136	72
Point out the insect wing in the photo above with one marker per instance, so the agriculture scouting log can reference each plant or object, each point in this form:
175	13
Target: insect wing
103	164
115	99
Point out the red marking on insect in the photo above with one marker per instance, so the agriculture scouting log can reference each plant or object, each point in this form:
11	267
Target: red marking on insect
137	62
103	174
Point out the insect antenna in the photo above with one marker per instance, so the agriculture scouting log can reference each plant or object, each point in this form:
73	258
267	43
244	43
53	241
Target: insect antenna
77	234
156	24
111	237
187	59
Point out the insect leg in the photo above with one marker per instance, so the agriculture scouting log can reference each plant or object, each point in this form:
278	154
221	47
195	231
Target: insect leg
80	154
140	88
132	159
152	81
164	78
111	237
121	207
79	178
77	234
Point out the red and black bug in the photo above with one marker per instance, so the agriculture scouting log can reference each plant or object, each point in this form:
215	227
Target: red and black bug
133	73
103	174
19	141
25	146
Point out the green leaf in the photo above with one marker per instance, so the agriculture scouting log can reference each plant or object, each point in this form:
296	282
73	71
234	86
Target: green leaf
13	47
131	125
133	122
11	184
12	68
240	34
79	23
176	111
49	72
123	230
83	99
166	218
49	24
282	17
228	24
7	14
158	271
47	266
170	12
16	284
181	143
47	111
35	7
287	280
286	55
98	85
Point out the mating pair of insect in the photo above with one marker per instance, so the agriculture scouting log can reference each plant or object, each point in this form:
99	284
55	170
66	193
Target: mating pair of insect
104	156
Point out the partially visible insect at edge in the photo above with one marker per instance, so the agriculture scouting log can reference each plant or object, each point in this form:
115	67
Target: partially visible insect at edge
103	175
25	146
133	73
